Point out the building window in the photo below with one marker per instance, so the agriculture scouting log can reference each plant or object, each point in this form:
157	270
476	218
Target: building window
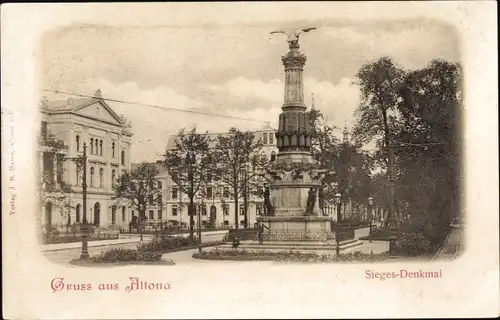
113	177
204	210
151	199
123	158
151	214
92	176
113	214
258	208
96	146
209	192
204	224
113	149
174	193
77	143
160	213
271	138
209	177
174	211
242	209
263	157
160	199
160	186
273	156
225	209
101	177
77	216
226	192
77	175
226	223
100	143
242	223
123	213
91	145
264	136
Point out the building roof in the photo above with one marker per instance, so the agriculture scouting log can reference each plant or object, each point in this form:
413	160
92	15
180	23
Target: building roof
74	104
213	136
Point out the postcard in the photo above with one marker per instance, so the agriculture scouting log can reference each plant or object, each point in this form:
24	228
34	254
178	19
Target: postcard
250	160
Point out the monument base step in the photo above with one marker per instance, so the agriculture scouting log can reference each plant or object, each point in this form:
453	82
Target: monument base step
294	246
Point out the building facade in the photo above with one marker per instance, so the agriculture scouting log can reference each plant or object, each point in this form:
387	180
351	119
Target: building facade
107	137
215	202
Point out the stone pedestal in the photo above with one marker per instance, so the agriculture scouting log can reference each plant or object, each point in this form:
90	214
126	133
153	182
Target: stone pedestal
296	228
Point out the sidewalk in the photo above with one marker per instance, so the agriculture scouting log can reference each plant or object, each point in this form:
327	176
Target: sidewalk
77	245
124	239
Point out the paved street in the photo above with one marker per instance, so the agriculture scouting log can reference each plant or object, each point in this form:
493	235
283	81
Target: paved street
452	246
65	256
185	256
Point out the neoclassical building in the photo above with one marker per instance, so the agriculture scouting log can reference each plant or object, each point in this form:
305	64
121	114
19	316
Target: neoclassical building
73	123
215	201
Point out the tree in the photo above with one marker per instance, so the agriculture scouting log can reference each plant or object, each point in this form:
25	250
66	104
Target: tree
189	164
55	191
237	163
380	83
349	166
429	166
137	187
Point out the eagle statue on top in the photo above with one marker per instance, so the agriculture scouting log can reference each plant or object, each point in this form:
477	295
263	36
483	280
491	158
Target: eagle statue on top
293	34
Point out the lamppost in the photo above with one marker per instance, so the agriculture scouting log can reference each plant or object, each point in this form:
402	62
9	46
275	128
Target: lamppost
338	197
370	212
199	227
142	207
85	227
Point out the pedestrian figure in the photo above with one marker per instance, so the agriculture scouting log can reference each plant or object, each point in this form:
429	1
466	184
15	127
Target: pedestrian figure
311	200
236	242
321	200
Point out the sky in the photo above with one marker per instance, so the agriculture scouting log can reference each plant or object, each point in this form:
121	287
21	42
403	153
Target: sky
232	70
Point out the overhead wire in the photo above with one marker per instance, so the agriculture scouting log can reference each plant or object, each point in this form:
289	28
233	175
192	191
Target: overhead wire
155	106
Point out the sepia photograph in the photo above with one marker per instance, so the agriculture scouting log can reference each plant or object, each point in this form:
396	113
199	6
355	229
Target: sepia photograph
248	152
330	142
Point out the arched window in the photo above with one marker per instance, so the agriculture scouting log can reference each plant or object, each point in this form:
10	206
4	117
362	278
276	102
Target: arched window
113	214
160	186
101	176
77	143
123	213
91	145
92	176
100	143
113	149
113	177
96	146
123	158
77	215
77	175
273	156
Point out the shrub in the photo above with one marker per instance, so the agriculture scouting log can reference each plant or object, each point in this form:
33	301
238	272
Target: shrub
412	244
164	242
120	254
287	256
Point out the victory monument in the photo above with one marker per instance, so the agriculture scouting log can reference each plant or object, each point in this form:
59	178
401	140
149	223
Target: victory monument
294	179
292	217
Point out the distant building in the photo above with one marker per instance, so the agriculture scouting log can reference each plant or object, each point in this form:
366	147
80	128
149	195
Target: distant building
75	122
215	202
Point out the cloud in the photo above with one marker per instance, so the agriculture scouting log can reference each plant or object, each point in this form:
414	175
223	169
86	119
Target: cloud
412	46
271	92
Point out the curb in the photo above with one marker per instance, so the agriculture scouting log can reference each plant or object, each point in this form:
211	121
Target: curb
96	246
